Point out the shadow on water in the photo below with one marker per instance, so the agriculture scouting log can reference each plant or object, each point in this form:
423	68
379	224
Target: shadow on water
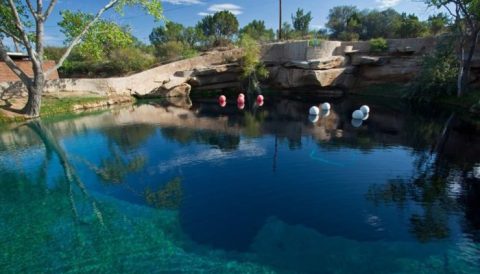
184	187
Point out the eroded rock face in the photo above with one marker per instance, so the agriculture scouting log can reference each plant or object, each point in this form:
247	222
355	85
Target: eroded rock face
293	78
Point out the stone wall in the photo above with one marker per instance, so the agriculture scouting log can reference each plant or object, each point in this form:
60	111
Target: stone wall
162	80
6	74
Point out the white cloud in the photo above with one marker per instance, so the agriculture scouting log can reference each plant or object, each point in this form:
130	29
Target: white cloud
383	4
204	13
183	2
227	6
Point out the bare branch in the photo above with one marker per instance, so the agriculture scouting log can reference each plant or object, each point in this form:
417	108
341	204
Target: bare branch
11	64
49	9
32	10
21	29
80	36
11	35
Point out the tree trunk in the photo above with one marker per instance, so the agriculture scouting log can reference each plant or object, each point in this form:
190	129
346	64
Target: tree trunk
35	90
464	75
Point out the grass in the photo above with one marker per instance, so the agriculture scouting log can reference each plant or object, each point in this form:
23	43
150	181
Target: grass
54	106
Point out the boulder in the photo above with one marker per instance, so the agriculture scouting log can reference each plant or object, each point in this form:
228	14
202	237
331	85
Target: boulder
327	63
368	60
182	90
293	78
174	82
213	79
232	67
297	64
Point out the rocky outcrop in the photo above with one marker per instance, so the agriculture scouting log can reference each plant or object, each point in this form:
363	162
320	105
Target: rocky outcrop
295	77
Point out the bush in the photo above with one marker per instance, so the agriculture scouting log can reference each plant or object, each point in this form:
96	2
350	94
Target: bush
378	45
174	50
439	73
120	62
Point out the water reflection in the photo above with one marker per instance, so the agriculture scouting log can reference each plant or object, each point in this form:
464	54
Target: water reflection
184	180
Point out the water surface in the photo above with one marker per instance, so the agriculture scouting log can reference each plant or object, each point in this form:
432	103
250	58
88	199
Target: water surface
161	187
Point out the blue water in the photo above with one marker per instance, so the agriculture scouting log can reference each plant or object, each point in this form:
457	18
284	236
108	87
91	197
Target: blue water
162	188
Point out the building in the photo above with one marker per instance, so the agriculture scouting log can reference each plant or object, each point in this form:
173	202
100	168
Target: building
23	61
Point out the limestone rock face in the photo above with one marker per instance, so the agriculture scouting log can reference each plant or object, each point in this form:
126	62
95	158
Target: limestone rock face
397	69
292	78
327	63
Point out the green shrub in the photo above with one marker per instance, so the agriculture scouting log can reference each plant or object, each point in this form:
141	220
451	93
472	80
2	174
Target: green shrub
174	50
439	73
378	45
121	61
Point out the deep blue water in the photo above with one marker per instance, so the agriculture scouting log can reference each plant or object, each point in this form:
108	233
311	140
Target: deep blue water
162	188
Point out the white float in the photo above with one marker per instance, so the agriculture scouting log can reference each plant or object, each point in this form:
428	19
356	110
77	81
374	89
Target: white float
313	118
314	111
358	115
365	109
326	106
325	113
357	122
365	118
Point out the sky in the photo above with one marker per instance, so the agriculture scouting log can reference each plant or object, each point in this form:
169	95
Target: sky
189	12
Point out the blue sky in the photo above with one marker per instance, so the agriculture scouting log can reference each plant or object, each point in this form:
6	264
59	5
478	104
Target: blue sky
188	12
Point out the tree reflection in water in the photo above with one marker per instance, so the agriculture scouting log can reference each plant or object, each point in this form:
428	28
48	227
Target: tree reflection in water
54	225
441	185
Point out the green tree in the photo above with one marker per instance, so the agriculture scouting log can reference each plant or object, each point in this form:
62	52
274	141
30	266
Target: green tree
257	30
409	26
250	63
438	24
16	16
288	32
378	24
466	15
301	21
170	32
100	41
221	26
339	19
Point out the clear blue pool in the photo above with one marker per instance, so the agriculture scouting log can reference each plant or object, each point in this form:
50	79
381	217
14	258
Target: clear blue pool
163	188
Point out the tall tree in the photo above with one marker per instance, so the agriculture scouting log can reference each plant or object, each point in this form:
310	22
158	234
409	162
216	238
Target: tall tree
301	21
17	15
409	26
170	32
257	30
466	14
378	24
100	41
338	19
221	26
438	24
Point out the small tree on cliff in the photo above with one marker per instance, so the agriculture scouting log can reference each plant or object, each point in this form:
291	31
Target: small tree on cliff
466	14
252	66
16	18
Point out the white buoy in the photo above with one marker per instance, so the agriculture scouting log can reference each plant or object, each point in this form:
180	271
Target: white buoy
313	118
357	122
365	109
358	115
314	111
365	118
326	106
325	113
